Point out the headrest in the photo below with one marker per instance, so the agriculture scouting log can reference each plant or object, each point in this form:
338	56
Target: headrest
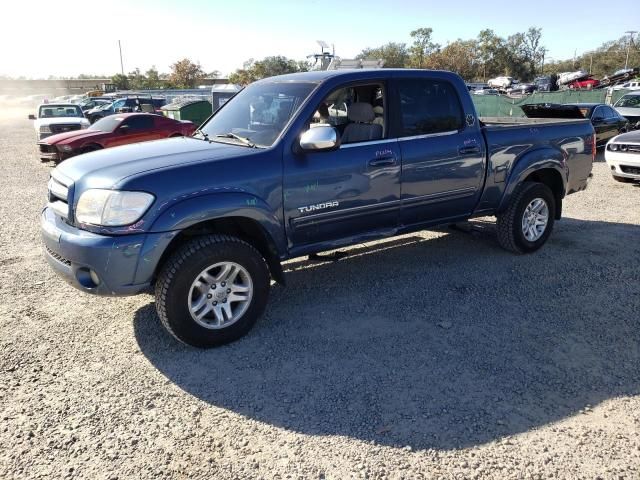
361	112
378	110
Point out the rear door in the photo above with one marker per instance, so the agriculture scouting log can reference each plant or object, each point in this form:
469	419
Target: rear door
443	152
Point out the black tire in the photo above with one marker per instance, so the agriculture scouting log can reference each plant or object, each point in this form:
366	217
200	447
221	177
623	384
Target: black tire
623	179
91	148
176	276
509	225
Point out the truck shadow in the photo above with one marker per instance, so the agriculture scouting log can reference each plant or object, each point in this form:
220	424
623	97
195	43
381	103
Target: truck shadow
440	343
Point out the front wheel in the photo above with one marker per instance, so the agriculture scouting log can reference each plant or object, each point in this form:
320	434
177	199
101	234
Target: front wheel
212	290
528	221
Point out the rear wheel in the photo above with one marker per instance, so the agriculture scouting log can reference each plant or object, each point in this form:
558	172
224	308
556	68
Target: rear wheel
528	221
212	290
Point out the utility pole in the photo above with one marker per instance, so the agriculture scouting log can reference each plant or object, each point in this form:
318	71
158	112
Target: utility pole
631	33
121	64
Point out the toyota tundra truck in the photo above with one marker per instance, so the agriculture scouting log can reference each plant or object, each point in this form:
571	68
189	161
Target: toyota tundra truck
295	165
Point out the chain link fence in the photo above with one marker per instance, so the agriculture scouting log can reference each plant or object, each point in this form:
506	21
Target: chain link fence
504	106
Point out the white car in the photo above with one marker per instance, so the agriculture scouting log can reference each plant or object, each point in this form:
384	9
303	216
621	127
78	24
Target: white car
623	156
500	82
55	118
633	85
629	107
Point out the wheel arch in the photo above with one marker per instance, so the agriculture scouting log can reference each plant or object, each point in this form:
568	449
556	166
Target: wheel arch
237	214
546	166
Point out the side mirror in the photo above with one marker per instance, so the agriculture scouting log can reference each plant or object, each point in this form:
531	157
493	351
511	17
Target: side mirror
320	138
32	116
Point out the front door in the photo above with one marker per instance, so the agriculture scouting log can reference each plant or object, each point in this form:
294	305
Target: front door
443	152
340	196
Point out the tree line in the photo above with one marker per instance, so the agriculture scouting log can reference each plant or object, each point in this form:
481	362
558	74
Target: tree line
521	55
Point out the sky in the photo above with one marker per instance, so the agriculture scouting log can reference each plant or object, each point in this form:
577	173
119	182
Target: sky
68	37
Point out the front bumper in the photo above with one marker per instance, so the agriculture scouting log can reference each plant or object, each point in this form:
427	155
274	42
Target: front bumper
114	260
623	164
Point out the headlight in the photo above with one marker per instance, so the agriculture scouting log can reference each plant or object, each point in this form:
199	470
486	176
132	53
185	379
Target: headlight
613	147
112	207
45	129
66	148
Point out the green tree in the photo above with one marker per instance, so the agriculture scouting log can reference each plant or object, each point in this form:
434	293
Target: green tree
422	47
267	67
395	55
121	81
460	56
152	79
185	74
137	80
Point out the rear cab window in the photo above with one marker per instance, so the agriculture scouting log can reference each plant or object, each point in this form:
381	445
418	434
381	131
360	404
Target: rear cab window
428	107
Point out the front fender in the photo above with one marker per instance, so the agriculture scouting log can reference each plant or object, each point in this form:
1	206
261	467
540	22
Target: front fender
536	160
202	208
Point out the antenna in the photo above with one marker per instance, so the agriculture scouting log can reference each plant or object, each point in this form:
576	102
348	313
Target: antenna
322	44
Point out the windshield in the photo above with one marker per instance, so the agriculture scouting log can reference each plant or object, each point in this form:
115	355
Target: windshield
107	124
629	101
258	113
49	111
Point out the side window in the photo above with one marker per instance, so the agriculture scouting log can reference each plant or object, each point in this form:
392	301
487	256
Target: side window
140	122
428	106
357	112
611	113
598	113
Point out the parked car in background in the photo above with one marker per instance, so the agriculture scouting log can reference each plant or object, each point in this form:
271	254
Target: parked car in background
486	91
623	157
620	76
55	118
632	85
584	83
500	82
629	107
606	122
112	131
546	83
522	89
90	103
125	105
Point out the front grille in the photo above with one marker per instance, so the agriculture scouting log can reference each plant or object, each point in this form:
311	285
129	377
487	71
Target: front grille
64	127
44	148
631	170
59	197
58	257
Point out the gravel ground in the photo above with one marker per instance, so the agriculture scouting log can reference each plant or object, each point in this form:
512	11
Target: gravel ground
433	355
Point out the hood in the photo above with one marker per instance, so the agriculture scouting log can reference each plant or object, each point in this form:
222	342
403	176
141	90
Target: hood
628	111
105	168
551	110
60	121
630	137
68	137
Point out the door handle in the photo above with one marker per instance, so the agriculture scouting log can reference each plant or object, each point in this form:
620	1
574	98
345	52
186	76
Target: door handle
468	150
382	162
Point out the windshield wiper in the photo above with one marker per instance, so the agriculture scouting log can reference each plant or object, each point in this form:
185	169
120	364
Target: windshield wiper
204	134
244	140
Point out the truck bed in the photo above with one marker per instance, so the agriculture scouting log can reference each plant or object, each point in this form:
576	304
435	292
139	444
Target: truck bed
522	121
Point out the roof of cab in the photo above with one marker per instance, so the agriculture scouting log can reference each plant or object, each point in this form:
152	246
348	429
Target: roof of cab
318	76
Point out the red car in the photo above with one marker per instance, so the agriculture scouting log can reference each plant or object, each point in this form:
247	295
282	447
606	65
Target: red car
112	131
584	83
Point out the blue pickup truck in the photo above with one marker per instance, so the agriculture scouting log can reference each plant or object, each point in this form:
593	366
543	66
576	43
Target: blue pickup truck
295	165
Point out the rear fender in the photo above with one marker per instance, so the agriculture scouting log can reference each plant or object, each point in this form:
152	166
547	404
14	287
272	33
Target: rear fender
531	162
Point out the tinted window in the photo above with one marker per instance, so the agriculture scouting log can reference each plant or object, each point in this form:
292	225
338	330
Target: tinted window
428	106
140	122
